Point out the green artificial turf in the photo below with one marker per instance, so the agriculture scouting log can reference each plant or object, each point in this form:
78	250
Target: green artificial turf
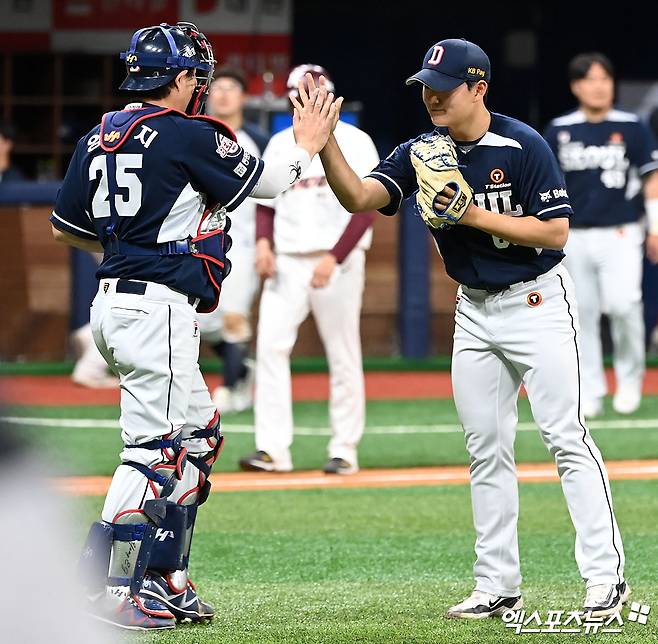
382	565
413	439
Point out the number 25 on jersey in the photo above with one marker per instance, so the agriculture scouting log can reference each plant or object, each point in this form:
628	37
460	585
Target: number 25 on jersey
120	178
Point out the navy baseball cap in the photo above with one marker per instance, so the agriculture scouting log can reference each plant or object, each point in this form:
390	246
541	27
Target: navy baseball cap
450	63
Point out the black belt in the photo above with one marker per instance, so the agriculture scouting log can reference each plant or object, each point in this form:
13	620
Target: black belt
139	288
500	289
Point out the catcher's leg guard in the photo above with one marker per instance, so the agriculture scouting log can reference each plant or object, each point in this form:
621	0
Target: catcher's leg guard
115	558
118	549
167	579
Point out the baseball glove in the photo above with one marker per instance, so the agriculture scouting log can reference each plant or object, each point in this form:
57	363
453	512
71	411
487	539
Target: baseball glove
434	158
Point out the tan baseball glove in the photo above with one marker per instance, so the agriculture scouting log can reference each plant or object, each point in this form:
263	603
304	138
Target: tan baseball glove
434	158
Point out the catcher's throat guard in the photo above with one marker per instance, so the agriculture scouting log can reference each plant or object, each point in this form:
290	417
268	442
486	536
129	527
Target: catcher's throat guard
212	241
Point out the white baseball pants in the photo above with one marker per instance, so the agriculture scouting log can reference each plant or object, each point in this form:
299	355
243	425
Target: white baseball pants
151	342
606	265
286	301
237	296
500	342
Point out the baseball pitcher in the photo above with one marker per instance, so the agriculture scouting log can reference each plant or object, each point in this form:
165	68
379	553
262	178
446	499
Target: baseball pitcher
477	179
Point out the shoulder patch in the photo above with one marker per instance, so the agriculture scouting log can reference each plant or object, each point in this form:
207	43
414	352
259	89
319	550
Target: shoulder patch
226	147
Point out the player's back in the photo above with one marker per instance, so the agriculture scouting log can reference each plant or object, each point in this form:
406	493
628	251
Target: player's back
145	177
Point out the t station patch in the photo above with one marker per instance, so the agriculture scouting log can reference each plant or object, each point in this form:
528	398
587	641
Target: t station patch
534	299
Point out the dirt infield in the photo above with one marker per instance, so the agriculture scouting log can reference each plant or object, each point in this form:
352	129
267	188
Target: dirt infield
424	476
60	391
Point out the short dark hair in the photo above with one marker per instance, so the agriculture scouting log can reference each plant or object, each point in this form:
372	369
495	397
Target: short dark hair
580	64
159	93
234	73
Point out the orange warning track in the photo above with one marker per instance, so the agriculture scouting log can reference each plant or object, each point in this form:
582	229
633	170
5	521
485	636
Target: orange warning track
423	476
407	385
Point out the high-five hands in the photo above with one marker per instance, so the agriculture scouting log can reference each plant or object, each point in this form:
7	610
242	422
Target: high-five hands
315	114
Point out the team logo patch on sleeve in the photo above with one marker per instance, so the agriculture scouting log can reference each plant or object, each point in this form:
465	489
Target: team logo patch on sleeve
225	146
534	299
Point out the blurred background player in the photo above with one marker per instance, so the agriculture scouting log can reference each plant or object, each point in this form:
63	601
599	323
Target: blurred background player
90	368
312	253
228	328
8	172
609	159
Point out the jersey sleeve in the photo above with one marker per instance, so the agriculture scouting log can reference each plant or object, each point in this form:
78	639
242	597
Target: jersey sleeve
219	166
396	174
543	189
70	214
643	149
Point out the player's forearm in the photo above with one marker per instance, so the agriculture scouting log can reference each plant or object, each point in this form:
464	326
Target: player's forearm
651	202
349	188
523	231
77	242
281	172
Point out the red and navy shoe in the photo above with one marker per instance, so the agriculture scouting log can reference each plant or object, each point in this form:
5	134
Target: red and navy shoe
183	602
133	613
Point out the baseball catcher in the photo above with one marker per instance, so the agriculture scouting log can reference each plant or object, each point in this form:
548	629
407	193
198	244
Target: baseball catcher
151	187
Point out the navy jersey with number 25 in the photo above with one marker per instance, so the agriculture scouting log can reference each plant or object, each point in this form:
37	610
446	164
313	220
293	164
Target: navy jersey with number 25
512	171
156	187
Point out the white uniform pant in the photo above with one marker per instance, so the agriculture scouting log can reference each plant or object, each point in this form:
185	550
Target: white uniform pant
237	297
286	301
606	265
502	341
151	342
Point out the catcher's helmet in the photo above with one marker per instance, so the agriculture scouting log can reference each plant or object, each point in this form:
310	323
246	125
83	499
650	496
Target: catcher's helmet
158	54
300	71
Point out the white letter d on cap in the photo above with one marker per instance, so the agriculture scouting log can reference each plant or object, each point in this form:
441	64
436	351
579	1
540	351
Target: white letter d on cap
436	56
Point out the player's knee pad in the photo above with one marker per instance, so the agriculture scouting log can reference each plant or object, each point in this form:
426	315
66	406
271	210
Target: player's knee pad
205	447
173	540
163	477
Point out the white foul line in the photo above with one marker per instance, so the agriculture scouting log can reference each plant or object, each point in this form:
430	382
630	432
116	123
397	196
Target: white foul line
230	428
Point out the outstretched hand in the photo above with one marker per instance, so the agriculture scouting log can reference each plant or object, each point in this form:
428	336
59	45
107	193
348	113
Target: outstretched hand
315	114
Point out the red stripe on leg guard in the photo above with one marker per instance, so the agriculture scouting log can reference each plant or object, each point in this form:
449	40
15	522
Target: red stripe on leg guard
118	516
184	496
180	463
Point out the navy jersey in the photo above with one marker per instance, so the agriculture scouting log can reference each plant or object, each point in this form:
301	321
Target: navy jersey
602	163
511	170
159	183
